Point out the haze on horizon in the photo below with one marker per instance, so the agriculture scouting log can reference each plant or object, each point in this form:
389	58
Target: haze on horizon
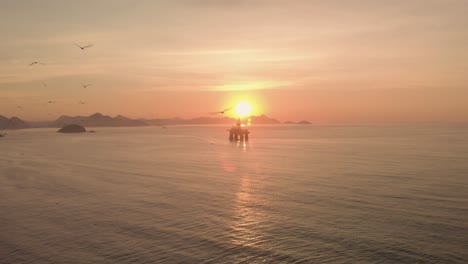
325	61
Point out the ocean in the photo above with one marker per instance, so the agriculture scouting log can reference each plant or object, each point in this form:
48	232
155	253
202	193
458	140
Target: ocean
185	194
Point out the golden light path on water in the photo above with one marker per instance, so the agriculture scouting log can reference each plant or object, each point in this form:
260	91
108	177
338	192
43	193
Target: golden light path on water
249	218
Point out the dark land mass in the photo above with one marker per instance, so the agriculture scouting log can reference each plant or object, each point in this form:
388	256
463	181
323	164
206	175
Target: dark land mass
303	122
100	120
97	120
73	128
263	119
12	123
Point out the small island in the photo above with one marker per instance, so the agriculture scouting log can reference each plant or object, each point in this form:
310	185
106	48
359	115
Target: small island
72	129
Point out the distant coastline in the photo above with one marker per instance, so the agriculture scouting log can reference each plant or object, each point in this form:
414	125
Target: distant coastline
100	120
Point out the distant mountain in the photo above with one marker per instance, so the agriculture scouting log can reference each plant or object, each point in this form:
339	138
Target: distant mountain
263	119
193	121
12	123
164	121
97	120
3	122
100	120
303	122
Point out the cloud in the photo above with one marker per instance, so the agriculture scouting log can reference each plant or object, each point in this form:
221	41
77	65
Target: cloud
249	86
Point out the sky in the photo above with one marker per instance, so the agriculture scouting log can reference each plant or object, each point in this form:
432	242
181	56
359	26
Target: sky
328	61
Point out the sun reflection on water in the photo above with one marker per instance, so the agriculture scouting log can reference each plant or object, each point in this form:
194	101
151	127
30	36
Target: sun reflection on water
243	144
248	217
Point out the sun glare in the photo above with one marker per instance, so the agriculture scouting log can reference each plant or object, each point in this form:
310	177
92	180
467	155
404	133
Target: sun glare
243	109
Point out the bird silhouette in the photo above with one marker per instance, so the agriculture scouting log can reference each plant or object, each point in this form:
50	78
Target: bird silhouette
85	85
36	63
80	102
52	102
221	112
84	47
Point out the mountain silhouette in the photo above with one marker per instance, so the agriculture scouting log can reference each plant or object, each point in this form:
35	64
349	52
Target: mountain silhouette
12	123
263	119
303	122
100	120
97	120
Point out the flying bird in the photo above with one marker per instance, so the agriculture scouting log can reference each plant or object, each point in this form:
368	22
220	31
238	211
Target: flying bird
84	47
45	85
81	102
52	102
36	63
221	112
85	85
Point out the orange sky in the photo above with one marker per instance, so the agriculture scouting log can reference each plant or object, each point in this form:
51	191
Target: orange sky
325	61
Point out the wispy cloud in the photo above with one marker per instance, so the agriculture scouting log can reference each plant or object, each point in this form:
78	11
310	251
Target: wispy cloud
249	86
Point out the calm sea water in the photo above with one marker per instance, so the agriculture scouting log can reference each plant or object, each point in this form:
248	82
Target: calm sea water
293	194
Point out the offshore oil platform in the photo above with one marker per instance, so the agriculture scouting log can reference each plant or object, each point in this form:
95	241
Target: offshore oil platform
237	132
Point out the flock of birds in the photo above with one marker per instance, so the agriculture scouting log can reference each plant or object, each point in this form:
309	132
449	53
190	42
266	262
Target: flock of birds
84	85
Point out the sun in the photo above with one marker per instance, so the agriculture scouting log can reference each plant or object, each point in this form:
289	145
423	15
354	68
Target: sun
243	109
